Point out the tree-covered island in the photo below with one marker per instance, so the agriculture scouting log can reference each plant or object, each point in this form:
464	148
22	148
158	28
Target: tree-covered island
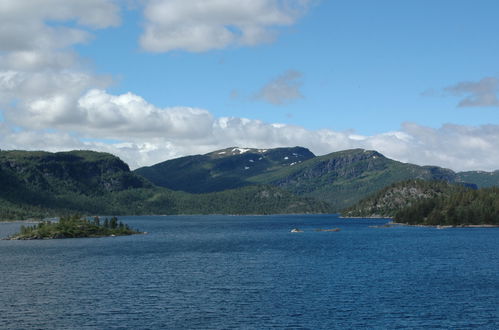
74	227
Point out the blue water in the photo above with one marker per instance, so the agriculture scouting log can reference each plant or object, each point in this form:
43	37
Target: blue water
224	272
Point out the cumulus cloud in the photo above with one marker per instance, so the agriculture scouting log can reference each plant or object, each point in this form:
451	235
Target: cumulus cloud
97	113
483	93
35	61
282	90
202	25
23	23
37	66
143	134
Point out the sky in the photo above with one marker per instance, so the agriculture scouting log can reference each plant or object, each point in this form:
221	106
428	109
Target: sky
151	80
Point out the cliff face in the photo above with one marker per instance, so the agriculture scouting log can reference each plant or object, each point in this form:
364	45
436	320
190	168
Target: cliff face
83	172
345	165
343	178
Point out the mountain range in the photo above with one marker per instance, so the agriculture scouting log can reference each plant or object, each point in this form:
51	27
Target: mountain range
229	181
43	184
340	178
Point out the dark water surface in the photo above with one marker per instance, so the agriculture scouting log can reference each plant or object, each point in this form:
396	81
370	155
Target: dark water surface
218	272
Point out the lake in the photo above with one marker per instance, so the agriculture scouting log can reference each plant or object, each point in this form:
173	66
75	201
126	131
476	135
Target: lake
227	272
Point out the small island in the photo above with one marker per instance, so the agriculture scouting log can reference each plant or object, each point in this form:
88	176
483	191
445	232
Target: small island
74	227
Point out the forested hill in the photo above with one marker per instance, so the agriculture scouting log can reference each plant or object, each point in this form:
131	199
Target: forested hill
459	208
84	172
390	200
43	184
340	178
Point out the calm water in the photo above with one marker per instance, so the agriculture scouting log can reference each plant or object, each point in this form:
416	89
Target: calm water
217	272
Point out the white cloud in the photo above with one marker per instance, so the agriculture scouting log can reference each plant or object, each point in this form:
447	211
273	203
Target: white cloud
282	90
37	69
99	114
202	25
144	134
31	86
35	61
23	23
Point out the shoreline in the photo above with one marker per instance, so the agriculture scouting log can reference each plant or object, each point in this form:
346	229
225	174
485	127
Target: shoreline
393	223
23	221
446	226
368	217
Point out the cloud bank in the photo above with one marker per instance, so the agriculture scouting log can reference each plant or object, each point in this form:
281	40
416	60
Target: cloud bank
143	134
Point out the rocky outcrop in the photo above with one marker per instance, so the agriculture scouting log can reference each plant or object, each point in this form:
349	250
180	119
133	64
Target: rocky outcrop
388	201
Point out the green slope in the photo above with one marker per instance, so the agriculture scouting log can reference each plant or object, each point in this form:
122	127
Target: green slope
41	184
223	169
343	178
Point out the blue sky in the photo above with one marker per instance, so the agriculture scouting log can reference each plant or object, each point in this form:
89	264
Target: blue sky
365	66
155	79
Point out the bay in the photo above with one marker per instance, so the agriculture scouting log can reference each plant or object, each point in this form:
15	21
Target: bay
231	272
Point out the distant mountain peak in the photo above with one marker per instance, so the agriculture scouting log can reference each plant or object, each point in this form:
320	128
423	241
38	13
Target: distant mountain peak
290	152
232	151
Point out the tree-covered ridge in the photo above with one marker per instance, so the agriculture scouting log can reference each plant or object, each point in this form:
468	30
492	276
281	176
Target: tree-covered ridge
340	178
388	201
74	227
156	200
465	207
41	184
286	180
260	199
80	171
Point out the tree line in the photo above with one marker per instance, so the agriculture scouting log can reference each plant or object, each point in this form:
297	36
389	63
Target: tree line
465	207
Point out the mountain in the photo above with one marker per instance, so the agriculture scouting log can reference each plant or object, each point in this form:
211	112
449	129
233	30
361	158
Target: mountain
229	181
85	172
41	184
37	182
340	178
480	178
223	169
390	200
343	178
